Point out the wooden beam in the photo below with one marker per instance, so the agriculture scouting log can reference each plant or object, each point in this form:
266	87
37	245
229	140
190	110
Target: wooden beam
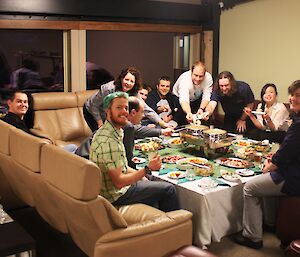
94	25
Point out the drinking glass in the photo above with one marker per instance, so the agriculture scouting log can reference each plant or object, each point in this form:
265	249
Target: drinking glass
190	173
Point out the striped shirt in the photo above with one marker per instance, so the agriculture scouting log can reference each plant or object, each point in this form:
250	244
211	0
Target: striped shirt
108	152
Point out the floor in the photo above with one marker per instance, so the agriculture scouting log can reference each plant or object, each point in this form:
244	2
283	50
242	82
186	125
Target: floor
50	243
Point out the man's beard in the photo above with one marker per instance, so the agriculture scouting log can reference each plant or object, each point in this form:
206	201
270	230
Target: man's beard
114	120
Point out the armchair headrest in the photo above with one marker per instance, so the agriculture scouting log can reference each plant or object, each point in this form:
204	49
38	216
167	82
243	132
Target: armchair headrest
54	100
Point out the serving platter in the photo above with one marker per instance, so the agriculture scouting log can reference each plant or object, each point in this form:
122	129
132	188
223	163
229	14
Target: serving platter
172	159
183	164
234	163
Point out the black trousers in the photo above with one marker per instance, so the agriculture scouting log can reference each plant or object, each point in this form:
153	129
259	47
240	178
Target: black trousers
92	123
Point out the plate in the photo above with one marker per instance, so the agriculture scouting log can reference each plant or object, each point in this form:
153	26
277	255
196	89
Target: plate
138	160
258	113
241	143
176	174
172	159
245	172
183	163
234	163
175	134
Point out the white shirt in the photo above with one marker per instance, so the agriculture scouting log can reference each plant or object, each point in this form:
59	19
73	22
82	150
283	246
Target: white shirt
278	114
187	91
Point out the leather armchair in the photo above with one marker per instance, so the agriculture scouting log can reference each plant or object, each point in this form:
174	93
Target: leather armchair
293	249
95	225
58	116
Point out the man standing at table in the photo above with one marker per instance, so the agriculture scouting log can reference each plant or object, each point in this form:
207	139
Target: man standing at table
234	96
194	89
122	185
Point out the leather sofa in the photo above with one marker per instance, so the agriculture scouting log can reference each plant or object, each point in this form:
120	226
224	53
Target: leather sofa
58	116
293	249
64	187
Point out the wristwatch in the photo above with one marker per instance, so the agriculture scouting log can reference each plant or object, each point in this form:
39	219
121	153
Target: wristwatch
148	171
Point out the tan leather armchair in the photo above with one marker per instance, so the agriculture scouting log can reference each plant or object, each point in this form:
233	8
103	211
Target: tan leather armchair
58	116
96	226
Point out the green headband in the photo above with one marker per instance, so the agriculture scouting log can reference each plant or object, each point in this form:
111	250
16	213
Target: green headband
108	99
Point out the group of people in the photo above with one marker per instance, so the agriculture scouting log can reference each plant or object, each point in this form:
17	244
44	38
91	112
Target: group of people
114	114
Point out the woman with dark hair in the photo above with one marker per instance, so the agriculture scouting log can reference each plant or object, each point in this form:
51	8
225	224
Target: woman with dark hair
281	176
271	116
129	81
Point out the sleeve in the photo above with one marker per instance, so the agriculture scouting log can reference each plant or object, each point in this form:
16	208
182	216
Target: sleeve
215	96
184	88
207	87
289	149
259	117
152	101
151	114
248	95
280	116
94	103
144	131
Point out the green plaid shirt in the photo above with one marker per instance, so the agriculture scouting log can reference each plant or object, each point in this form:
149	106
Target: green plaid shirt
108	152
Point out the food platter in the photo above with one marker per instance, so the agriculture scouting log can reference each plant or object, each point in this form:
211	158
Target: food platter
230	176
176	174
176	142
234	163
138	160
172	159
183	164
241	143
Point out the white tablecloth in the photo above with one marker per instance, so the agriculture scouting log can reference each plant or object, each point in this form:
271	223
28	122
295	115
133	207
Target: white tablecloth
216	213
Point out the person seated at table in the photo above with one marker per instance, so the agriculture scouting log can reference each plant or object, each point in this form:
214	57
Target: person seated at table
165	103
144	91
132	130
193	88
128	81
122	185
234	96
280	178
17	108
273	124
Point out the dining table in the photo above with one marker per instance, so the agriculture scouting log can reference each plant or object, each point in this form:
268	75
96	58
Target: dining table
217	211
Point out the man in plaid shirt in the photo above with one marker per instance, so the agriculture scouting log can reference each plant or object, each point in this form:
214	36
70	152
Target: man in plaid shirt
121	184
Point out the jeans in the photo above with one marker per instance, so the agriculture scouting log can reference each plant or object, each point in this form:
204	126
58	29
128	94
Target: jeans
153	193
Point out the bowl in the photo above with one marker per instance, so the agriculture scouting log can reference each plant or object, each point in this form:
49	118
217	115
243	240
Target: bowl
176	142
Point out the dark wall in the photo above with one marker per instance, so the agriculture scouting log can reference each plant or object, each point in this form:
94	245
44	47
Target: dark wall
151	53
113	10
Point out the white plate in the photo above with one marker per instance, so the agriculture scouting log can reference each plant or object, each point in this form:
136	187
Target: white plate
175	134
245	172
258	113
138	160
176	174
229	176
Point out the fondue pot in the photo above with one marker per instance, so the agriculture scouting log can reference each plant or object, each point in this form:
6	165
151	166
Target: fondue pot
214	135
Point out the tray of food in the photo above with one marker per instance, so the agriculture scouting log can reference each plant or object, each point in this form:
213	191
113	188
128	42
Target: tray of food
234	163
183	164
172	159
177	142
241	143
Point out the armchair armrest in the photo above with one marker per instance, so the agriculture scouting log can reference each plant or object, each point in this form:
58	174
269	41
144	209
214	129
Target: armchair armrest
157	223
41	134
